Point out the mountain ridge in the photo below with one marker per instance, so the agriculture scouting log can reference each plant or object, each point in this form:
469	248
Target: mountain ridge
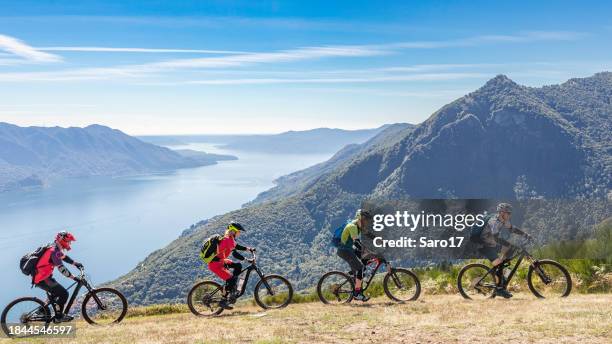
312	141
33	156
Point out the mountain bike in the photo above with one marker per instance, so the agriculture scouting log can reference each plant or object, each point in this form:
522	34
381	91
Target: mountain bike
399	284
100	306
546	278
271	292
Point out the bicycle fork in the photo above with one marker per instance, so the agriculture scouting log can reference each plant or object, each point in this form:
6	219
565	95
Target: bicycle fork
543	276
396	280
101	305
265	283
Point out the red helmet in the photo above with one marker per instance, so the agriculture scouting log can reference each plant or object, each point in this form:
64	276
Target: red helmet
63	239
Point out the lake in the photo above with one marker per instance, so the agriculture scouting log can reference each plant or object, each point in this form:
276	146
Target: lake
119	221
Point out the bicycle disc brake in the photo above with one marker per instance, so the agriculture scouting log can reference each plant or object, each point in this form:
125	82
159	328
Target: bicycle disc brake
476	285
335	289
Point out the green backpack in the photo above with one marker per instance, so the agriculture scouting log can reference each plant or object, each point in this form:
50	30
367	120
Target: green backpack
209	248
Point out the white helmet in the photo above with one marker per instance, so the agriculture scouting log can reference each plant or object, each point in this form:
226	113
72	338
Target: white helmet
505	207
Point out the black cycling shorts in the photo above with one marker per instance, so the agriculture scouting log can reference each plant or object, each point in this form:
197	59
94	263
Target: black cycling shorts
352	259
490	252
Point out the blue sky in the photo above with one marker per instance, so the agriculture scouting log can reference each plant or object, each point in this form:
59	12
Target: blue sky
182	67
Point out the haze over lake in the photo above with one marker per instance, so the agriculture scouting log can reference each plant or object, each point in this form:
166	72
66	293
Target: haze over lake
118	221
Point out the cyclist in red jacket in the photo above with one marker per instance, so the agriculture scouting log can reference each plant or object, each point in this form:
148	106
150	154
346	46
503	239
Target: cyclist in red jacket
43	278
221	264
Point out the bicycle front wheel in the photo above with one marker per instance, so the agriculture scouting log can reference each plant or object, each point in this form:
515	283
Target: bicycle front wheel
402	285
24	311
549	279
273	291
104	306
475	282
204	298
335	287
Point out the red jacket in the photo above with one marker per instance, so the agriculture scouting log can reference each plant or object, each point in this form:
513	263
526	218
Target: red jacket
225	247
52	257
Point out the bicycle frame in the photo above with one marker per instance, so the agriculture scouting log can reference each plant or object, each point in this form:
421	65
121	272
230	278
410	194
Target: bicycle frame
252	267
504	283
379	262
81	283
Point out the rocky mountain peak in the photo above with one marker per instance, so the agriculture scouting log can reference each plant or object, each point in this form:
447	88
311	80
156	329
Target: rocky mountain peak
500	83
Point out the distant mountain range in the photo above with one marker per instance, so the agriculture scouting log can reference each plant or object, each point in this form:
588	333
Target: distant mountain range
33	156
300	180
320	140
501	141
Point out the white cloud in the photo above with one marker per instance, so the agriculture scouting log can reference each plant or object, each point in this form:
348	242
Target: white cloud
307	53
523	37
142	70
11	62
430	93
372	79
246	59
16	47
138	50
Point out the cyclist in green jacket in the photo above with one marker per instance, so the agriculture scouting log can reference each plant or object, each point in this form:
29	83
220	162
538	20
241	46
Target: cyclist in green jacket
350	249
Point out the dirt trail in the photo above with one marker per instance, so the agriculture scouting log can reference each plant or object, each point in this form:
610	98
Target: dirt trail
432	319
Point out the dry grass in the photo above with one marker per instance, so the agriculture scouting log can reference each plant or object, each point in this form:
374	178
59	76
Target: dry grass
432	319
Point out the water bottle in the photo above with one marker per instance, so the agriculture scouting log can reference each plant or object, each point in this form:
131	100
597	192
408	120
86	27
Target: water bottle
506	273
240	283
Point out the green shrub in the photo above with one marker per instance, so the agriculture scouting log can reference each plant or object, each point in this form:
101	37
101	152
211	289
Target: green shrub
161	309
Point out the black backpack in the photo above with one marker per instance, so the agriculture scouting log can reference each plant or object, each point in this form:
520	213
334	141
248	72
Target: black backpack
28	262
476	231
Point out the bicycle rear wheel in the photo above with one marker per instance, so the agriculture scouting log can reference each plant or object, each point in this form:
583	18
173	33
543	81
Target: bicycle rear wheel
475	282
273	292
204	298
335	287
402	285
24	311
549	279
104	306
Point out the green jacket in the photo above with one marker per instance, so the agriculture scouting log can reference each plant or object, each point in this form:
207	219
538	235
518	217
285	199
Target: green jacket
350	233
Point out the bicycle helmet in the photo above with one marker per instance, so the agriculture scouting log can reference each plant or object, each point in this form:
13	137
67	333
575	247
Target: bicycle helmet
362	213
64	239
504	207
235	227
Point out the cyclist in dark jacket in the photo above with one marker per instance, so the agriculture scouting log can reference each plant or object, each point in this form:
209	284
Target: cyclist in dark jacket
496	247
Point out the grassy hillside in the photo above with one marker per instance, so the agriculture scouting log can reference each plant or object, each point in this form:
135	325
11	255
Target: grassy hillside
431	319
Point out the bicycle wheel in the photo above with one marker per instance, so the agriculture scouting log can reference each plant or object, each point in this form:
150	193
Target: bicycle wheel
475	282
335	287
24	311
402	285
104	306
276	292
549	279
203	299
